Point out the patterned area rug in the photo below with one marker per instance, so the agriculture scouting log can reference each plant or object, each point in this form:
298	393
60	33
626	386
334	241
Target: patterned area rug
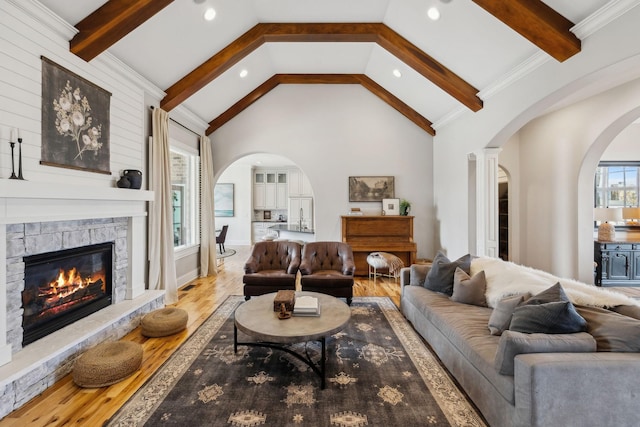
226	253
379	373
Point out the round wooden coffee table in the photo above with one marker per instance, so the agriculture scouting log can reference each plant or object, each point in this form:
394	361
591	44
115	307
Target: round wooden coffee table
257	319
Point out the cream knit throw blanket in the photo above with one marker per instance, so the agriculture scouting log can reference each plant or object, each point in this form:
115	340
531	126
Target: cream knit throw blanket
507	278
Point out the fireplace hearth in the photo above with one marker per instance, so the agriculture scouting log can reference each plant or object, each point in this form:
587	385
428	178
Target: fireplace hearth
64	286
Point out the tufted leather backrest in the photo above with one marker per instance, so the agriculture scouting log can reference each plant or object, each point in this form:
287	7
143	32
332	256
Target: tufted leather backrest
274	256
336	256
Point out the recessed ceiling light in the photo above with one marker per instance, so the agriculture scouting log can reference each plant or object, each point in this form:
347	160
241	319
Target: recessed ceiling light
210	14
243	73
397	73
433	13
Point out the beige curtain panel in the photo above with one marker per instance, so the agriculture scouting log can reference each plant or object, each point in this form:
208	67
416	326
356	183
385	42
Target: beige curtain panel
162	267
208	263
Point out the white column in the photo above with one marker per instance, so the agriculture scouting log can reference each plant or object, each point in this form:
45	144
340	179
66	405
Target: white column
486	201
5	349
136	248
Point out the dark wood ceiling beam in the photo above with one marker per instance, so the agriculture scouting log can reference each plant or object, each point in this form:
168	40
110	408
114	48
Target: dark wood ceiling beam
111	22
538	23
361	79
321	32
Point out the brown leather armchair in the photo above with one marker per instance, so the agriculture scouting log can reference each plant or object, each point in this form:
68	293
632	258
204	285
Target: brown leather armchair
328	268
271	267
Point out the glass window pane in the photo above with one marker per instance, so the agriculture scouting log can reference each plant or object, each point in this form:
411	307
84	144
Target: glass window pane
186	190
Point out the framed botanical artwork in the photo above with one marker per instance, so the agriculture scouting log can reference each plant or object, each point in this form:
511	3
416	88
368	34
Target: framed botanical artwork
75	121
390	206
223	200
371	188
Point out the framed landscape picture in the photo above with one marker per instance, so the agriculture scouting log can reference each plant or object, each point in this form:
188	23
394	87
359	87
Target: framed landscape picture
75	121
223	200
371	188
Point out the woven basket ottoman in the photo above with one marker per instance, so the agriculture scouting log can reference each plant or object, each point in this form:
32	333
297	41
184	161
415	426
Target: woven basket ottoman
107	363
163	322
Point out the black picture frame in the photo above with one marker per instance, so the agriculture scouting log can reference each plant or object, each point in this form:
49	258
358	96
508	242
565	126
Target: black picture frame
371	188
75	121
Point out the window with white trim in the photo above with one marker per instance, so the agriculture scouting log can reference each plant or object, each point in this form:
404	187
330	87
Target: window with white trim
185	187
616	184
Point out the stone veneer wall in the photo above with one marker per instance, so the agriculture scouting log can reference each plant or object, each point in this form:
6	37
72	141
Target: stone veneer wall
40	237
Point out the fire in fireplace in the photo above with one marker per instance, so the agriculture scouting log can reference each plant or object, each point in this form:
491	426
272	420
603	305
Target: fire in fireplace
64	286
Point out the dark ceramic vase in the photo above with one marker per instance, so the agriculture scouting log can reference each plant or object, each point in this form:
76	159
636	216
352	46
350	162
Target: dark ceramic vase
134	177
123	182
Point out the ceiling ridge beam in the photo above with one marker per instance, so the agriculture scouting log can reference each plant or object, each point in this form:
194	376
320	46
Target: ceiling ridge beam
360	79
322	32
111	22
538	23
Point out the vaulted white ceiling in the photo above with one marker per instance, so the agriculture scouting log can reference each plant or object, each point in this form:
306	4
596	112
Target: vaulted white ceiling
468	40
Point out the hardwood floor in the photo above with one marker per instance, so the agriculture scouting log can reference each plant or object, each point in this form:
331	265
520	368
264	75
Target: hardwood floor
66	404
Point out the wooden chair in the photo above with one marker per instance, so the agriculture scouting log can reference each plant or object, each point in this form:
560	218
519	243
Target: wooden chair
328	268
220	238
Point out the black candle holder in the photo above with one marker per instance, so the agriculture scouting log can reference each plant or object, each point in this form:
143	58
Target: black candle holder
13	169
19	158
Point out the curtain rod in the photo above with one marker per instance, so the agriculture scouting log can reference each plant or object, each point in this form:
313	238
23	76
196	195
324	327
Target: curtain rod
179	124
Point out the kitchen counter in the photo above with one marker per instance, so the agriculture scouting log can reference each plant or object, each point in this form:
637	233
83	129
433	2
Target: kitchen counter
291	228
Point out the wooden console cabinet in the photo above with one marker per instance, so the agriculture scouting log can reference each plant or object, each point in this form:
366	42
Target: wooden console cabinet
617	263
366	234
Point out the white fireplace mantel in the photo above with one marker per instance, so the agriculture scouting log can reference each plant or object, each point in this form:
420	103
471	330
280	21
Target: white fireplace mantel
24	201
27	201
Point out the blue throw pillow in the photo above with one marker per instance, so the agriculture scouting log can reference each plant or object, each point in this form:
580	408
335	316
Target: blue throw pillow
554	317
440	277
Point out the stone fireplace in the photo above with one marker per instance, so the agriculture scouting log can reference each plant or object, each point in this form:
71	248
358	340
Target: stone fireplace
39	218
64	286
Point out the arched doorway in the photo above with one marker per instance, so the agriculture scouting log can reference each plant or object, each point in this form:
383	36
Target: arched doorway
267	189
503	214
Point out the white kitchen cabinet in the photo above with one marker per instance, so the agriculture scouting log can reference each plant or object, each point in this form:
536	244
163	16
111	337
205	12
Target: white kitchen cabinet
270	189
299	184
259	201
282	191
301	207
259	230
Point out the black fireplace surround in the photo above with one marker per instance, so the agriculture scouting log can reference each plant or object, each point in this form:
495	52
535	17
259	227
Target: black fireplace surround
64	286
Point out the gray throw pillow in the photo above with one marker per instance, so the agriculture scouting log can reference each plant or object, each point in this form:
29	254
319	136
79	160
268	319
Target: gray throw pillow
469	290
440	277
513	343
612	331
553	294
501	315
418	274
550	318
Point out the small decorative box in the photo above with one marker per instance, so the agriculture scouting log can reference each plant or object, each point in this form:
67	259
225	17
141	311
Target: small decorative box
288	298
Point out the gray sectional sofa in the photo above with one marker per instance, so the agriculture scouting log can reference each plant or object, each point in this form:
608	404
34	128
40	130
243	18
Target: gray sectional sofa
546	389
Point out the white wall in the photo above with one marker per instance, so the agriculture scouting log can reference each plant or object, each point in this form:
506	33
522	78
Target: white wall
21	98
625	146
609	55
332	132
239	232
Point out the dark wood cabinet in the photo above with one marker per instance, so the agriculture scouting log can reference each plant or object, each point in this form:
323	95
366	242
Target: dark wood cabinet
617	263
366	234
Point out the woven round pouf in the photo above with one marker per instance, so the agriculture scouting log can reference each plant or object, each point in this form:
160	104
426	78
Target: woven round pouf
163	322
107	363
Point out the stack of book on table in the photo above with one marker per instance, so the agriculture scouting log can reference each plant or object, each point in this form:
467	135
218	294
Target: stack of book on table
306	306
